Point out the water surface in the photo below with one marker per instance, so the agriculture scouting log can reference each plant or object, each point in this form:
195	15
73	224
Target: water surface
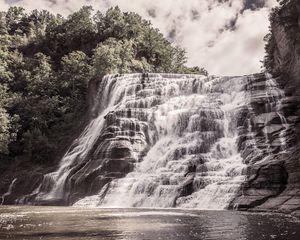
28	222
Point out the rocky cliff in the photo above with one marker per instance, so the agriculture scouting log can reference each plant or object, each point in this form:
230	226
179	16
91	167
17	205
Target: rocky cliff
274	184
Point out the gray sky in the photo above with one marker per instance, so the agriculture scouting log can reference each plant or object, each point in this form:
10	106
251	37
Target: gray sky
224	36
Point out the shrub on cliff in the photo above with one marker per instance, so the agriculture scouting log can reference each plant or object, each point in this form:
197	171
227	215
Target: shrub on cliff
289	21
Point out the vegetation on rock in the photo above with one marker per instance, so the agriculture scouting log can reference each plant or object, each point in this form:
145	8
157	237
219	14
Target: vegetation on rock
286	16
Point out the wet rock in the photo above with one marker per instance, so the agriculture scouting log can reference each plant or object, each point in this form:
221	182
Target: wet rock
273	181
187	187
23	185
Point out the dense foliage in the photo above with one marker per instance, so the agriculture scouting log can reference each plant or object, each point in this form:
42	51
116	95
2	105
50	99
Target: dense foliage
47	61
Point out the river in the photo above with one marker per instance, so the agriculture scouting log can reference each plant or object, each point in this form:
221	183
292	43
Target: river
32	223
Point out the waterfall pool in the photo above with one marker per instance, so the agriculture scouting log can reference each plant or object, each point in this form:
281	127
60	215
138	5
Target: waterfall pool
34	222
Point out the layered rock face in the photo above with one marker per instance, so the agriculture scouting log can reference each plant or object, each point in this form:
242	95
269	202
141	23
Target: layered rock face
274	184
268	145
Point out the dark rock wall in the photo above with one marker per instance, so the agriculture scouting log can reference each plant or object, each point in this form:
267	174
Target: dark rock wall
285	30
286	33
274	184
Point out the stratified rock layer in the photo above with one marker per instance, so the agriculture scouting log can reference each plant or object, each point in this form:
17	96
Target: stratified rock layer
274	183
267	146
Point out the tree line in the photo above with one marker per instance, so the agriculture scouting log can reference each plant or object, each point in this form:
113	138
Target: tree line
47	61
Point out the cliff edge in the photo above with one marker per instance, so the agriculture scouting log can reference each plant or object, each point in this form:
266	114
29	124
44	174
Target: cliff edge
275	184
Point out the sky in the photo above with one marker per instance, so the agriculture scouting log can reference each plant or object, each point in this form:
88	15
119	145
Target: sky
223	36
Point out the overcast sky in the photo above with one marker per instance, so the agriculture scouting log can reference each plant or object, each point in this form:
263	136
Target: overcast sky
224	36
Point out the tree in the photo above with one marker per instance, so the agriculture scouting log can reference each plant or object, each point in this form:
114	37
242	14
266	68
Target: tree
13	19
47	61
4	131
5	74
112	56
79	29
39	76
8	123
75	70
75	75
112	24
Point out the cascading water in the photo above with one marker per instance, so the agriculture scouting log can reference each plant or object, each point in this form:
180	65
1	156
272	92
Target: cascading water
193	159
164	140
54	184
194	162
277	94
9	191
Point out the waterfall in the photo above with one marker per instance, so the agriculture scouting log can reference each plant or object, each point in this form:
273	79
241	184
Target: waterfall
54	184
276	94
9	190
169	140
193	161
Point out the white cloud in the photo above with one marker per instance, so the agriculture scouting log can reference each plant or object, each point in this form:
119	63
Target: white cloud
3	5
235	52
222	36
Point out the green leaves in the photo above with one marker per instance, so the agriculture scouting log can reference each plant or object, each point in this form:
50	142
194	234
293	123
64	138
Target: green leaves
74	76
4	131
14	16
39	76
8	123
112	56
47	61
76	70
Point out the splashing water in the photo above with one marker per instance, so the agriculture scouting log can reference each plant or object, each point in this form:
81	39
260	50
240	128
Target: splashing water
193	163
111	93
180	133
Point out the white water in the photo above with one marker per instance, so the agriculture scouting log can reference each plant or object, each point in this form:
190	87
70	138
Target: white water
182	133
276	94
186	121
9	190
109	94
